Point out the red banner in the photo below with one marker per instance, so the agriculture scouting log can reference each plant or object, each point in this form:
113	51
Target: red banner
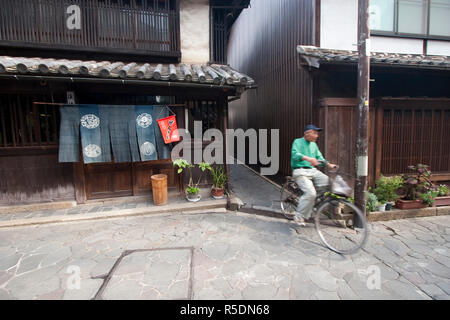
169	129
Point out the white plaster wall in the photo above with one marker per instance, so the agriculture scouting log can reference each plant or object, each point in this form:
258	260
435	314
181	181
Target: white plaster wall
438	48
396	45
339	24
194	31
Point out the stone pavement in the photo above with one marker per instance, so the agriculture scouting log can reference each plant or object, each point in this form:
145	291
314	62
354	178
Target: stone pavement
111	208
221	256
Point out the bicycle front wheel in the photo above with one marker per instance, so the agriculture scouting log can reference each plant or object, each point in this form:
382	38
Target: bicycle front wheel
335	224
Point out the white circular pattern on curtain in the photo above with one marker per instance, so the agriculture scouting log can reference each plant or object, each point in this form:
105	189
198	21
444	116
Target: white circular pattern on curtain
92	151
147	148
90	121
144	120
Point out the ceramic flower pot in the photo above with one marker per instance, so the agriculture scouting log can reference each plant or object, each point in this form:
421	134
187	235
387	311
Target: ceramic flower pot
193	197
217	193
389	206
442	201
382	207
410	204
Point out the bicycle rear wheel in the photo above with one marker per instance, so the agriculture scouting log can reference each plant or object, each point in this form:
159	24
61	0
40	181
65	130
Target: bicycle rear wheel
334	221
290	195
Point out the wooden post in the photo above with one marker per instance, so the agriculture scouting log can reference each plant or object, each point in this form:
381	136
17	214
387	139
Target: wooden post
361	156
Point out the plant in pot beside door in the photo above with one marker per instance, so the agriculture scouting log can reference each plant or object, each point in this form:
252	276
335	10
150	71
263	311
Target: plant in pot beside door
443	198
386	188
381	193
413	185
219	180
192	190
371	203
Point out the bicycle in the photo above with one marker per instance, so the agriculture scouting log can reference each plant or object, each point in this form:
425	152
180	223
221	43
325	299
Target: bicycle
333	214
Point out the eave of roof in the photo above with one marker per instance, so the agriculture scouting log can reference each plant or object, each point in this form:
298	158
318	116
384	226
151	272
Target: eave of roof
314	57
214	75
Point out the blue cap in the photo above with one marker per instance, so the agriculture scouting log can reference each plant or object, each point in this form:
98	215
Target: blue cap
312	127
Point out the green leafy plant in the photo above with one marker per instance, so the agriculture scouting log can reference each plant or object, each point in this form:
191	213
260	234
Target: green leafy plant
429	197
192	190
372	202
443	190
182	165
386	188
219	177
416	183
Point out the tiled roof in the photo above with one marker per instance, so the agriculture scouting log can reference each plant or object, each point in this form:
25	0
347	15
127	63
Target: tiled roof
206	74
314	56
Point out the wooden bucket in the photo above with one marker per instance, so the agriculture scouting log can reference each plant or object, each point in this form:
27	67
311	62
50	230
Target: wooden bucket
159	188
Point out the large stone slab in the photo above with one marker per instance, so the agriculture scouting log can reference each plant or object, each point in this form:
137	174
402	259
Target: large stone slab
156	274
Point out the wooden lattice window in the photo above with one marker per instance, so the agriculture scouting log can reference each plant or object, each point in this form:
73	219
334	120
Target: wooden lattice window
415	135
25	122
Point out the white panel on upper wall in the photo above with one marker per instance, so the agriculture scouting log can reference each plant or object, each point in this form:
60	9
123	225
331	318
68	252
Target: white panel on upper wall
441	48
339	24
194	31
396	45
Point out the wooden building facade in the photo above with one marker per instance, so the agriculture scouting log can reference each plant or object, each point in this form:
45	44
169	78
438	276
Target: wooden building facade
126	53
301	54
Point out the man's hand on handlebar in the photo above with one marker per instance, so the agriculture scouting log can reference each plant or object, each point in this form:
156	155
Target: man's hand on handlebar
332	166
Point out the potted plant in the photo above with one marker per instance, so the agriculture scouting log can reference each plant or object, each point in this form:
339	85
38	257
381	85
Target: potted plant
219	180
413	185
443	197
428	197
372	202
192	190
386	188
381	194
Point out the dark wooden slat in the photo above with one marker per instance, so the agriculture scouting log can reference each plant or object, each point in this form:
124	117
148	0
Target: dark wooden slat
422	145
411	150
430	145
104	25
47	131
2	114
29	128
79	182
37	129
12	122
22	130
442	140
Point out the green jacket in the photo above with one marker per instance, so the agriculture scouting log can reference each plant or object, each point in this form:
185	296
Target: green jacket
301	148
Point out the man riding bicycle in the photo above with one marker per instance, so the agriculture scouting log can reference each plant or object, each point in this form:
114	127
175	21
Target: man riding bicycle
305	157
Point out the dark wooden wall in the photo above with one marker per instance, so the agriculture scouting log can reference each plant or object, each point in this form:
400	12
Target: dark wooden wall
29	169
33	175
402	132
263	45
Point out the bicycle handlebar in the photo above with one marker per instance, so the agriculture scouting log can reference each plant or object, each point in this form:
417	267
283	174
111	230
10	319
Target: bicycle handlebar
326	162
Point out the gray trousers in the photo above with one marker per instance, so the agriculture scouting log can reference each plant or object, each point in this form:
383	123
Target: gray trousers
311	182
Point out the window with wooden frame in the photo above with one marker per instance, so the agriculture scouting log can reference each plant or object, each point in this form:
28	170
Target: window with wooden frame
24	122
424	19
145	26
414	134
